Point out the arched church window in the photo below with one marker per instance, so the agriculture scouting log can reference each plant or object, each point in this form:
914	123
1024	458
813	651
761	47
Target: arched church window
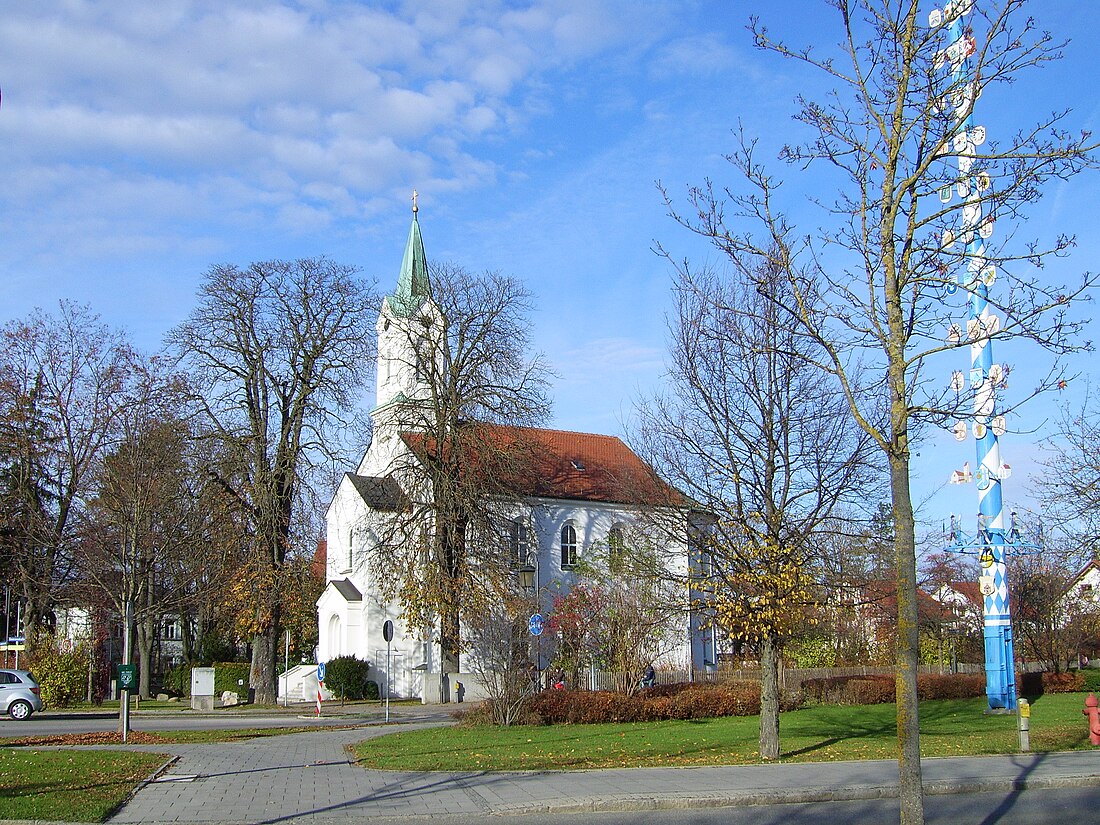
518	546
423	355
568	546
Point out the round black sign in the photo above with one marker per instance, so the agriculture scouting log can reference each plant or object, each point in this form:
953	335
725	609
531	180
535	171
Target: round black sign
387	630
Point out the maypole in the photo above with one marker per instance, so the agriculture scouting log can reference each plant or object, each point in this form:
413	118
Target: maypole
990	541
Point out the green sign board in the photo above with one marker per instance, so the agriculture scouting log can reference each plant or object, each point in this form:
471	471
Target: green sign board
127	677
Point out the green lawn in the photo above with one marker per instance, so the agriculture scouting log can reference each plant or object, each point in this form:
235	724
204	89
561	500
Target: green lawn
819	734
69	786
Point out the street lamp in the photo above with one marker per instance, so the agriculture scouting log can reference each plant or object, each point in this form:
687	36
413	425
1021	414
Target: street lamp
527	576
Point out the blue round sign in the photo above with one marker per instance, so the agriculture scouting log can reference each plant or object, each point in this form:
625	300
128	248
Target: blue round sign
535	624
320	671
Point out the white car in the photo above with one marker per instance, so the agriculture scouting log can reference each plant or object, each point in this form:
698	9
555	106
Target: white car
19	694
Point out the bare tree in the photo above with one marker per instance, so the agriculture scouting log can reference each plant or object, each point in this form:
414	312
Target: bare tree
467	343
874	288
1054	620
64	382
1070	482
277	349
761	440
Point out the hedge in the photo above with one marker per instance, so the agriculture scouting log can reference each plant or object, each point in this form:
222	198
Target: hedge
1036	684
177	682
878	689
684	701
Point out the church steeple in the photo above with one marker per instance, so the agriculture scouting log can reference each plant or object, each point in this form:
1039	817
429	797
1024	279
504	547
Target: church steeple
412	284
407	329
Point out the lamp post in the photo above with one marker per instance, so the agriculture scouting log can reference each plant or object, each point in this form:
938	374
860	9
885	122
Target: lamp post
529	580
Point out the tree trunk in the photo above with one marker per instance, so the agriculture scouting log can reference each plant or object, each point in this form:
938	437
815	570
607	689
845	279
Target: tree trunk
908	648
265	661
769	697
145	629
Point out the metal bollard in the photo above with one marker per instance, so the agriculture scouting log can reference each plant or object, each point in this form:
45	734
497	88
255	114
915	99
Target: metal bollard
1025	725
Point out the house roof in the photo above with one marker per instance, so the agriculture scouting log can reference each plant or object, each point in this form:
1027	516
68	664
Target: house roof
348	590
882	595
559	464
380	493
1082	573
969	590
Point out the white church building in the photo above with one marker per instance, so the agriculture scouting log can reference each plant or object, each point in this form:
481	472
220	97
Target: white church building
580	491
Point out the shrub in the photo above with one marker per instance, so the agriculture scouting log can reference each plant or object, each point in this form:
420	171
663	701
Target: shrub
227	675
372	691
849	690
1090	679
682	701
346	677
177	681
63	677
1036	684
950	685
878	690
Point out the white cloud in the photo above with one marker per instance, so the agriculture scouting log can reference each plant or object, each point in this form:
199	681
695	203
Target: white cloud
601	357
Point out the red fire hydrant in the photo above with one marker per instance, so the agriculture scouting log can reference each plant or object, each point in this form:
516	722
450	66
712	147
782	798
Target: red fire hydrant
1093	713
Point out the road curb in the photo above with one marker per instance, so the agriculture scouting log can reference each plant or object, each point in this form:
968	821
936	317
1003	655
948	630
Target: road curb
749	798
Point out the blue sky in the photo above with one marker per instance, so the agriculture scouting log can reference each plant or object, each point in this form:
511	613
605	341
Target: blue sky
142	142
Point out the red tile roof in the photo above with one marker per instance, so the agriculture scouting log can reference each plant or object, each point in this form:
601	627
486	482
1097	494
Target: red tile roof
969	590
565	465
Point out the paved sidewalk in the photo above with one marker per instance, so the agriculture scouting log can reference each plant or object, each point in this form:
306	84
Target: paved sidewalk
307	777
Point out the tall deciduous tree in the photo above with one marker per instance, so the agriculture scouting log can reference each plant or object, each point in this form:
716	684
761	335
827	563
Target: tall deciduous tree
873	288
469	347
64	382
149	521
760	439
278	348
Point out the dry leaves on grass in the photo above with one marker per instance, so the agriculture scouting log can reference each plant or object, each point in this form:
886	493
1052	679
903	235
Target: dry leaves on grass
134	737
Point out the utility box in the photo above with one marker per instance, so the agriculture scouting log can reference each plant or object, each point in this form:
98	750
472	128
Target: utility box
202	688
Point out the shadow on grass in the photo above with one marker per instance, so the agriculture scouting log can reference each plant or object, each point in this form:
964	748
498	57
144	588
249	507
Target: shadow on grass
837	725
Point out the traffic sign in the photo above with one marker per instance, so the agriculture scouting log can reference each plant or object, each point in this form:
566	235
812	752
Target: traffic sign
387	630
127	677
320	671
535	624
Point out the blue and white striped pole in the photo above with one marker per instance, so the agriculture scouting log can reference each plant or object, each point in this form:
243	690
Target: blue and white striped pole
985	376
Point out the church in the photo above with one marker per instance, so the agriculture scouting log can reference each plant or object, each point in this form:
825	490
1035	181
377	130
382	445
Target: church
573	492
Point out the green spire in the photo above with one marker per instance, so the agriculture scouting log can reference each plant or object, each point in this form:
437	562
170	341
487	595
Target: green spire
412	283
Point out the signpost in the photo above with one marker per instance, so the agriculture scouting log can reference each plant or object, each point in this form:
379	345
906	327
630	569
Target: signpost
320	684
387	634
536	624
127	674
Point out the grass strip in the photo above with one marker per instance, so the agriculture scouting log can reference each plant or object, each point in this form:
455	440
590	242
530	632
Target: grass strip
69	786
819	734
168	737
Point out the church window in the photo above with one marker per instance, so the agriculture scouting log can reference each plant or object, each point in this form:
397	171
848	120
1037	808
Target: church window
568	546
517	543
351	550
422	359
